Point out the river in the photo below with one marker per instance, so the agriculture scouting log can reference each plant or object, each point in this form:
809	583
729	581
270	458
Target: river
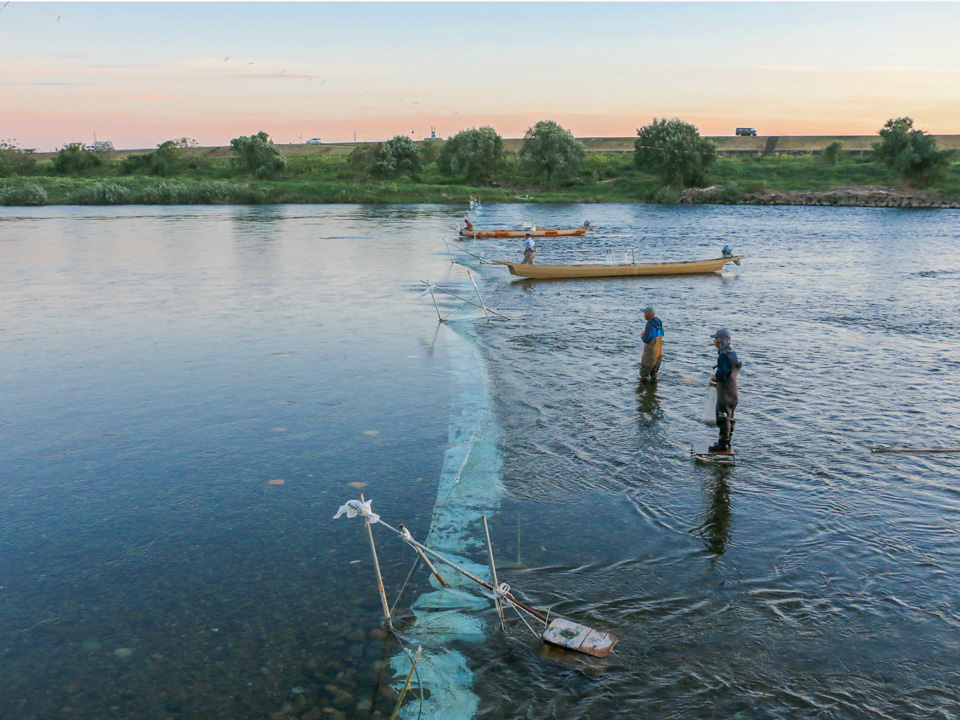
190	393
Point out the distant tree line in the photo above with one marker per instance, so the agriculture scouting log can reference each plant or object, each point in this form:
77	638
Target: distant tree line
670	150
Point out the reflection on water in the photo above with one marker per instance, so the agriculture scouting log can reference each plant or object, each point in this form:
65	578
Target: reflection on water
189	394
715	529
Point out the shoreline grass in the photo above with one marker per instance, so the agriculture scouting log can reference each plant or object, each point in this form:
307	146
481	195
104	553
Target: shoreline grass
605	178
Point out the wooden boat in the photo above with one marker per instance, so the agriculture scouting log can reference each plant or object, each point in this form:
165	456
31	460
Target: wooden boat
552	272
491	234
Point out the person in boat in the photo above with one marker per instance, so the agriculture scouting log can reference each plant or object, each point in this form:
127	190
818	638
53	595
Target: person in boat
529	250
652	337
725	378
467	225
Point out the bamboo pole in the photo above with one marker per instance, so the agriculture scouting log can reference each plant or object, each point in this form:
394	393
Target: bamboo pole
406	684
376	567
426	560
437	307
493	572
437	556
469	302
482	261
479	297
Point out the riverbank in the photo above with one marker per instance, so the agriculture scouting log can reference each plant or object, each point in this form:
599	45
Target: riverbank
604	178
33	192
840	197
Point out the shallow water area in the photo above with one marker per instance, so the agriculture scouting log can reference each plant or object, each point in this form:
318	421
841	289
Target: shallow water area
190	393
813	578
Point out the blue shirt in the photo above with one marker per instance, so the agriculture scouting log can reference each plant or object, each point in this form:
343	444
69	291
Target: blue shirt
653	330
727	362
529	244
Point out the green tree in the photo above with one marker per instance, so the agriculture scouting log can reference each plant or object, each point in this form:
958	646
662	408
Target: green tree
549	148
15	160
911	153
674	150
361	157
74	158
397	156
168	159
258	154
476	153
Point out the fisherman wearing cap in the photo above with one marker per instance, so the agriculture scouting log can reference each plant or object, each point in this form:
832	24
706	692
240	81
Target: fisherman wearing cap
529	250
652	337
725	378
468	226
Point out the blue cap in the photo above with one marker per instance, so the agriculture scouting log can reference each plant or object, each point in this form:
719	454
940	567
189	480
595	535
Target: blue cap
721	334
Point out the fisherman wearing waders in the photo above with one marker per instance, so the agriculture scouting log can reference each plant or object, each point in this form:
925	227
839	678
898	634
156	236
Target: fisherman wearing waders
652	337
529	251
725	378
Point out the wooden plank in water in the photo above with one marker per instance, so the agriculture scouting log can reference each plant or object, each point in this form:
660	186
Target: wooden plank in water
579	638
702	450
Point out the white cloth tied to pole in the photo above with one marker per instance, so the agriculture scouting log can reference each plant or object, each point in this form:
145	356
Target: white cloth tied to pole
352	508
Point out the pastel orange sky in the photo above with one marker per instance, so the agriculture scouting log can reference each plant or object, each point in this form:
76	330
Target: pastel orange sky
138	74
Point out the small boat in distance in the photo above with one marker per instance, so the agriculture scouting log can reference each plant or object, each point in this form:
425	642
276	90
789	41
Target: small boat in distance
555	272
533	232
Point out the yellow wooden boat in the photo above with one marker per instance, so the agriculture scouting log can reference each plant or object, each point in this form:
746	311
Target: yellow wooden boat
554	272
490	234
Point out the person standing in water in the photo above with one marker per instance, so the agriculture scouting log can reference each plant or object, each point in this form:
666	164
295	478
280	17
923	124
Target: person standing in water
652	337
529	250
725	378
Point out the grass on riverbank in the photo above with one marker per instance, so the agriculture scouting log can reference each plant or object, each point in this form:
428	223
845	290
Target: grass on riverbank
330	179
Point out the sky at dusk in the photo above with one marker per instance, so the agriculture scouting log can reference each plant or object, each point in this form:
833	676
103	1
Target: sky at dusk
138	74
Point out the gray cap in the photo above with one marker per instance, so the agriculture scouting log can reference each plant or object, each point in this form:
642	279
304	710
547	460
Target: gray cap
648	310
721	334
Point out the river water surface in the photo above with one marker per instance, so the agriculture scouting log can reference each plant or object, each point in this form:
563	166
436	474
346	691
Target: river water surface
188	394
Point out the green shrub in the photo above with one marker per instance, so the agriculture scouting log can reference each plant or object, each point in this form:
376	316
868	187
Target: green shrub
15	160
397	156
475	154
674	150
258	154
551	149
912	153
75	158
605	166
23	195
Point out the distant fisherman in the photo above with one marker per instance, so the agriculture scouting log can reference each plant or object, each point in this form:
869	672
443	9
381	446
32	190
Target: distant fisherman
529	251
725	378
652	337
468	226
